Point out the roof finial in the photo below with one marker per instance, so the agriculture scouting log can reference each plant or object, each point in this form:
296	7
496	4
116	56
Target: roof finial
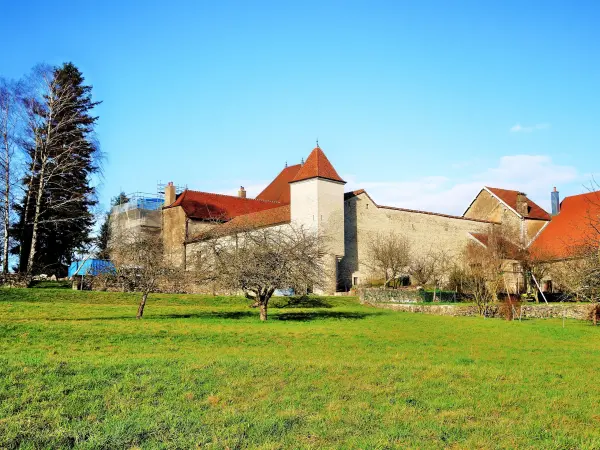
286	164
302	162
318	143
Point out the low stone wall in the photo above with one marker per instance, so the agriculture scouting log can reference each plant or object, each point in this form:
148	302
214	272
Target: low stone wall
409	295
579	311
13	280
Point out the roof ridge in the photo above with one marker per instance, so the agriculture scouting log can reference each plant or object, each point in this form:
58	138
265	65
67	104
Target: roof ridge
231	196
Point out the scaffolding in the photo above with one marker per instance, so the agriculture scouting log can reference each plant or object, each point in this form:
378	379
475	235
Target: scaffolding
141	209
160	189
138	209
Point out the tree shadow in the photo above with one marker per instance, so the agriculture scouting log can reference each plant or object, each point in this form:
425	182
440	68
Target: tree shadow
322	315
300	302
234	315
304	316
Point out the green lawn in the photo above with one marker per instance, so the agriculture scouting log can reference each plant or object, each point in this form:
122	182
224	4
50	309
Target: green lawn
77	370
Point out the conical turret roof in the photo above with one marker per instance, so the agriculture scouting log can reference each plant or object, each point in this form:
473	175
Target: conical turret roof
317	166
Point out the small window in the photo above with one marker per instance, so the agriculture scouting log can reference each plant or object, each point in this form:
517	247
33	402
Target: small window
516	267
355	281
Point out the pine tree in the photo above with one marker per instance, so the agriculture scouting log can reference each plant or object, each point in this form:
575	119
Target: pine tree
55	213
103	237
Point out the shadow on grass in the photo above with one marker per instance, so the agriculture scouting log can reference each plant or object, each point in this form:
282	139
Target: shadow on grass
299	302
322	315
233	315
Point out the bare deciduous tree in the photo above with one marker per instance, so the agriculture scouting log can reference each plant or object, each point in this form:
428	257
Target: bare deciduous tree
257	262
578	277
429	267
389	255
9	123
485	262
139	263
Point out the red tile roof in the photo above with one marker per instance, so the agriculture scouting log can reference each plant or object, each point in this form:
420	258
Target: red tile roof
279	189
573	230
209	206
317	165
510	198
266	218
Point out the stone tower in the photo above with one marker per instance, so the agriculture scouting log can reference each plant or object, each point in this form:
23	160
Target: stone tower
317	203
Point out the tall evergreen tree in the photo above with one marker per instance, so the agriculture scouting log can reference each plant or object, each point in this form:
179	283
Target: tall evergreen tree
55	212
103	237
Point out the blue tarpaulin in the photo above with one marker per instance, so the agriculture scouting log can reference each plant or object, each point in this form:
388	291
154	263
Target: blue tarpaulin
91	267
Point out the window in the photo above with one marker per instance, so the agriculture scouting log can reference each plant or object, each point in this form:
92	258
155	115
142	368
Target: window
355	281
516	267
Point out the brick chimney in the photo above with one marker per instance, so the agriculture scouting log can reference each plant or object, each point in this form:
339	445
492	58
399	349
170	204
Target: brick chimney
242	192
169	193
522	205
555	201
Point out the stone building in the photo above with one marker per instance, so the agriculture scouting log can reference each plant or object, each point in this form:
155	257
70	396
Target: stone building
312	194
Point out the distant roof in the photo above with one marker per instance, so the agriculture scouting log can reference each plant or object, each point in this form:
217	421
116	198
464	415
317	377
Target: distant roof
270	217
279	189
572	230
317	165
509	197
209	206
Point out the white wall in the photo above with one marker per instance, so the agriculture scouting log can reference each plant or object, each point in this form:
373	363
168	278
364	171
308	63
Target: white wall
318	204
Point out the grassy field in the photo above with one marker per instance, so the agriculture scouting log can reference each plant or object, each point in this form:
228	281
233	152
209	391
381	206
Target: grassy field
77	370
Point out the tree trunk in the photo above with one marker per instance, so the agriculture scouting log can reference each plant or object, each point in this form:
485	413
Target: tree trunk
22	258
36	219
263	309
6	216
140	312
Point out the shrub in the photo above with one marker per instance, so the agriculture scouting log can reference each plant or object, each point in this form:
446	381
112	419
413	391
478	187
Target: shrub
510	308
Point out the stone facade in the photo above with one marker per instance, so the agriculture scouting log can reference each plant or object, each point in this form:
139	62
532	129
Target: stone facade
174	233
318	204
490	207
425	231
313	195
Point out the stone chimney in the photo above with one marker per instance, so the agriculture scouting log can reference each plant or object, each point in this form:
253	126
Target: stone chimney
242	192
169	193
522	205
555	201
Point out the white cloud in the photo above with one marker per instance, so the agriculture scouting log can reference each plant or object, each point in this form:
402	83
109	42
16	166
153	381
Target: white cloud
518	128
533	174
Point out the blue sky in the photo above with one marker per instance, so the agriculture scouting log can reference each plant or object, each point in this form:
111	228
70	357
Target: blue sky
421	103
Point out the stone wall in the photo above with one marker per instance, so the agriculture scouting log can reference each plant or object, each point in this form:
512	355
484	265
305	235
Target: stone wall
409	295
579	311
425	232
174	224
